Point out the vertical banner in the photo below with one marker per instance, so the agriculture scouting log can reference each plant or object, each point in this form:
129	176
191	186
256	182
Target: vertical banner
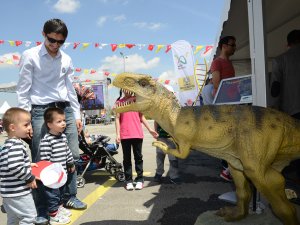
184	63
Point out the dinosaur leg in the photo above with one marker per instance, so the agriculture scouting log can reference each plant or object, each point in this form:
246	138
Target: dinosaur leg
271	185
181	152
243	192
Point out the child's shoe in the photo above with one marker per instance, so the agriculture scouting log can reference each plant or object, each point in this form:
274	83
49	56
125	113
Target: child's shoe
59	219
63	211
129	186
139	185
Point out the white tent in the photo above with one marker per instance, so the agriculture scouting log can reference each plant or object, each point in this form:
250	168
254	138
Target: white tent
260	27
5	106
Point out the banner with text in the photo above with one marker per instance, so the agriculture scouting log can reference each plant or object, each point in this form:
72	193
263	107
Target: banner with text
184	63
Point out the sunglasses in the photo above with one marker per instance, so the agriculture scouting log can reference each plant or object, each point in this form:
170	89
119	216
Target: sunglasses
232	45
52	40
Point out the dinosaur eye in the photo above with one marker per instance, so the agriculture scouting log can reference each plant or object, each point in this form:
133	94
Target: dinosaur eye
143	83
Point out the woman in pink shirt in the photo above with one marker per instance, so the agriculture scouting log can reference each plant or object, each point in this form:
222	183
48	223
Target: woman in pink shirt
130	133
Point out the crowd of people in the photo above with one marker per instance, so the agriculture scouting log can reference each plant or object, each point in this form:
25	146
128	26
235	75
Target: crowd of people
48	117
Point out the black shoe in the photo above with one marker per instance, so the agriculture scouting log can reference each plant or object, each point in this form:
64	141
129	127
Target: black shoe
2	209
175	180
157	178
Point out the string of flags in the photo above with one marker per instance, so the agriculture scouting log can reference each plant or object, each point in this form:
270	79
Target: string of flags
14	60
204	49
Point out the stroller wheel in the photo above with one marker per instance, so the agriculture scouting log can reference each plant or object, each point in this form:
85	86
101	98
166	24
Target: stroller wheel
80	182
108	167
120	176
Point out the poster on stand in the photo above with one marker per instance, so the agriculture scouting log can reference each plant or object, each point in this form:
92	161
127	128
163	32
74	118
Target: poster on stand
97	102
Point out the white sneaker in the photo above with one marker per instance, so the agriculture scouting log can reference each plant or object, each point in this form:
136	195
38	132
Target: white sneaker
63	211
139	186
59	219
129	186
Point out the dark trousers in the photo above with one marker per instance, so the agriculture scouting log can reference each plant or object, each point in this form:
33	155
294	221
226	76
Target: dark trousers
136	145
54	198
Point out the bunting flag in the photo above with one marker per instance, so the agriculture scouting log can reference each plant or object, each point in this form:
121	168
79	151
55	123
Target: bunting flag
114	46
85	45
184	63
198	48
159	47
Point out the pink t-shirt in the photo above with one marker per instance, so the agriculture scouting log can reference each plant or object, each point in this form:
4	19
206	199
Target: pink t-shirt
130	125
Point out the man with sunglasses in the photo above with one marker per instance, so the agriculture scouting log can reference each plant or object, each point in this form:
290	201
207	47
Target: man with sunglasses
45	80
222	68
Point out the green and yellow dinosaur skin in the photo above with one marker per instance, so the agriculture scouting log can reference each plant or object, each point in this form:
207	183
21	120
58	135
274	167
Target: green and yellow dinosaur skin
256	142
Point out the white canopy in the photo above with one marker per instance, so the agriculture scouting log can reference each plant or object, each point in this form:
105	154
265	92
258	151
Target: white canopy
260	27
5	106
8	87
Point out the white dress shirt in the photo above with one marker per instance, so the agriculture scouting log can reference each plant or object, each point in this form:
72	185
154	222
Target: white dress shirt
44	79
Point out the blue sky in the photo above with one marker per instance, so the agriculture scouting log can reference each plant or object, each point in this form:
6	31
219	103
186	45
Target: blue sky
158	22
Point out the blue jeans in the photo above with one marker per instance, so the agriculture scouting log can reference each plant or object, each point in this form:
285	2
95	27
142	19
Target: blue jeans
39	130
54	198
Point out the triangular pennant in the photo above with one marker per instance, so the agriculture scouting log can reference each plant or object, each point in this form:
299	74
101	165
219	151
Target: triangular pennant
130	45
85	45
18	43
75	45
159	47
140	46
11	43
66	45
1	41
207	48
86	71
150	47
114	47
97	45
168	48
15	57
93	71
106	73
198	48
121	45
27	43
78	69
38	43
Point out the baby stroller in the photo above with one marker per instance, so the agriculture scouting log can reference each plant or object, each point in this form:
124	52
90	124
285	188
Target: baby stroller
97	155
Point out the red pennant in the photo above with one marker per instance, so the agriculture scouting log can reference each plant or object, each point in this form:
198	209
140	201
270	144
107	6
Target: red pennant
97	45
38	43
93	71
130	45
207	48
1	41
18	43
168	48
167	81
114	47
150	47
76	45
78	70
15	57
87	80
106	73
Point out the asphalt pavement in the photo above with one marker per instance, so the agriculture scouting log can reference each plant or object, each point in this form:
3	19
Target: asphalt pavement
194	201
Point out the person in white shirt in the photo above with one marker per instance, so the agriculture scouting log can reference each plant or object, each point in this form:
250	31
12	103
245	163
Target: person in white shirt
45	80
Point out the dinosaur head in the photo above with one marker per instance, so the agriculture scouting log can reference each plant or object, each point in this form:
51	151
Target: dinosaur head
142	87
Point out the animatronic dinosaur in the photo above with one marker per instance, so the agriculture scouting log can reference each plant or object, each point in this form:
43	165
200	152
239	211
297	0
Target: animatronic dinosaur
257	142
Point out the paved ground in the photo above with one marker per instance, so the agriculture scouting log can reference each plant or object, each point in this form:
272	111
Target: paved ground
192	202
